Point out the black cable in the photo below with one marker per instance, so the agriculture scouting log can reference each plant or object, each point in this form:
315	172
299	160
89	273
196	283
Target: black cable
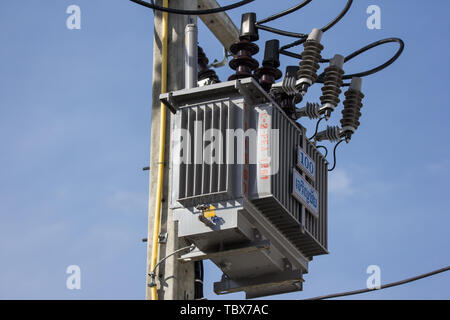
283	13
295	34
294	44
389	285
381	67
339	17
291	54
334	154
192	12
364	49
325	148
198	280
202	270
153	3
317	128
279	15
291	45
303	37
282	32
203	276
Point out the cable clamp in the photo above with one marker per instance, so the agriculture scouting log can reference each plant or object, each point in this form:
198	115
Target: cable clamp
152	282
162	238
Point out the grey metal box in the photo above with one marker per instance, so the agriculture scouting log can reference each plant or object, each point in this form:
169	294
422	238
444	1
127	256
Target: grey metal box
261	236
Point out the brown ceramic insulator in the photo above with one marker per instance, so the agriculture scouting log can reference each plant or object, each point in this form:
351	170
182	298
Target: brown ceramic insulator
352	107
310	60
332	85
269	73
243	63
267	76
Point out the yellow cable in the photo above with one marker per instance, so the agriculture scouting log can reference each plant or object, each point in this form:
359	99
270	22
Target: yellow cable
162	143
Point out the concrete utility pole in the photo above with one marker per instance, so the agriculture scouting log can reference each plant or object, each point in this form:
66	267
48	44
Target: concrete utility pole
175	279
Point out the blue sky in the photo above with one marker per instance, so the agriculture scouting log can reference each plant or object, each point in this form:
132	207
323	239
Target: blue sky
74	135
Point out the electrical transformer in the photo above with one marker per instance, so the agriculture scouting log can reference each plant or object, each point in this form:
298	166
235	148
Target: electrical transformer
248	188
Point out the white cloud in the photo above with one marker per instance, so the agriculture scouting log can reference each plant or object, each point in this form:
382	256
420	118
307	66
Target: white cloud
340	183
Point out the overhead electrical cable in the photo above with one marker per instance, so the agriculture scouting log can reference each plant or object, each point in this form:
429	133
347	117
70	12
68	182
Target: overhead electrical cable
388	285
283	49
192	12
293	9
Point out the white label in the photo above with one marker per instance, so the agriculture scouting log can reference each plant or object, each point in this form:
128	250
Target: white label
305	193
306	163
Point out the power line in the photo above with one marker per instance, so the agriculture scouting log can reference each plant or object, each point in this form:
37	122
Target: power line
389	285
192	12
285	12
295	34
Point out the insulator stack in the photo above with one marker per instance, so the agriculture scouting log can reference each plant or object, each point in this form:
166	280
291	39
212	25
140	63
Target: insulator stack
269	73
289	81
332	85
286	95
332	134
352	107
311	110
243	50
307	74
204	72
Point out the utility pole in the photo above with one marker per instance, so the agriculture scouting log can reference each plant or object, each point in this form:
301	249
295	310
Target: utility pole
177	279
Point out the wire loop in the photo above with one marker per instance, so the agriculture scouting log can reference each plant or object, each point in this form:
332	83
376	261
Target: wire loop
367	48
334	154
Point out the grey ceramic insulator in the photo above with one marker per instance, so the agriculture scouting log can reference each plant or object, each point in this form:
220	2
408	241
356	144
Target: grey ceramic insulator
356	84
338	61
316	35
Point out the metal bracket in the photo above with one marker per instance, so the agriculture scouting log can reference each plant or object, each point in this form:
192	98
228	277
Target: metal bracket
217	64
162	238
169	102
249	94
197	255
152	282
286	281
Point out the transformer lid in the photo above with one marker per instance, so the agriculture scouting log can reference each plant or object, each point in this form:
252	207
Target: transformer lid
248	88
